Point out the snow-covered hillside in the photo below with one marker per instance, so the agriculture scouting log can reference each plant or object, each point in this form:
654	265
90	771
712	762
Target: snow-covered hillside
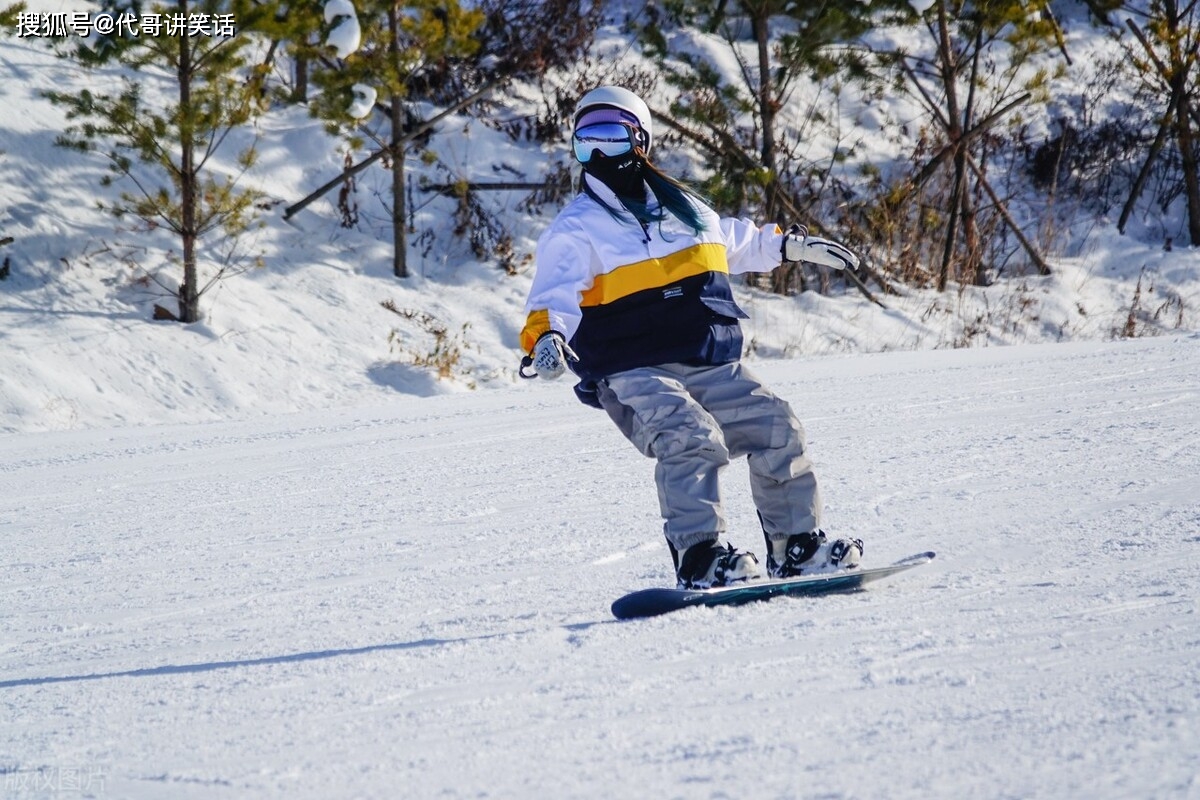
412	600
307	330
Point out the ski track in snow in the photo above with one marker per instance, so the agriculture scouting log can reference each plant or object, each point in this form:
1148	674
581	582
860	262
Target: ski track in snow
412	601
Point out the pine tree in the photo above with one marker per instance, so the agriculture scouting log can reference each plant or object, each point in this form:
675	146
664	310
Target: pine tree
163	144
403	50
296	34
741	125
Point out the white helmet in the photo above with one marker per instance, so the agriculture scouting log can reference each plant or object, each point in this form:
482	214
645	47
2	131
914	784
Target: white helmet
620	98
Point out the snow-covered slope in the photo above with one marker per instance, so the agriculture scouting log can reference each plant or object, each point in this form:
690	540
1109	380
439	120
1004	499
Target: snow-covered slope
307	331
411	600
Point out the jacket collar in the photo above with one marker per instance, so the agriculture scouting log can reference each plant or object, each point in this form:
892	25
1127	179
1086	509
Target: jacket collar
600	190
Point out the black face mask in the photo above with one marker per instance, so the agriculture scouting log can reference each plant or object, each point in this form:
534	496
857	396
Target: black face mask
622	174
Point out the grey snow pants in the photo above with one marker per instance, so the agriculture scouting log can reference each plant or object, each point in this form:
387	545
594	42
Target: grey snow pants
693	420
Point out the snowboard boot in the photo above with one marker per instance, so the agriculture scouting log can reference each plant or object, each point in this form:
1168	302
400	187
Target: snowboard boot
706	565
810	554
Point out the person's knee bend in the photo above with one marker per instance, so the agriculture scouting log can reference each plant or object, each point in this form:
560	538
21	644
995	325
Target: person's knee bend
701	444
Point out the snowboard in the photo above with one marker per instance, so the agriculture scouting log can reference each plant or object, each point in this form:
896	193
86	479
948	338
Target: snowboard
652	602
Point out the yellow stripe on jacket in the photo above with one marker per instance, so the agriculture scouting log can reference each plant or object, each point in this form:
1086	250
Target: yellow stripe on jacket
655	273
652	273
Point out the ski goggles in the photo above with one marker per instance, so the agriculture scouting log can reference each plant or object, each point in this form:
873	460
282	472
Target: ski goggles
610	138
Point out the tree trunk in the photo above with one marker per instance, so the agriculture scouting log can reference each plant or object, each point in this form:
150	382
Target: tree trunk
399	231
760	28
300	87
1178	77
952	225
970	220
189	291
767	106
973	263
1191	168
948	69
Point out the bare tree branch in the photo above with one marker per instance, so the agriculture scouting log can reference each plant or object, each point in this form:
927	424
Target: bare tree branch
350	172
1160	139
1034	255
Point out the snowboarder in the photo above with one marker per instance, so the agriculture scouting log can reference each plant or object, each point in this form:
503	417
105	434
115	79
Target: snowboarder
632	292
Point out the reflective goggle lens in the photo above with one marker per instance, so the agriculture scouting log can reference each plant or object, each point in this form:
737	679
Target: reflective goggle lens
610	138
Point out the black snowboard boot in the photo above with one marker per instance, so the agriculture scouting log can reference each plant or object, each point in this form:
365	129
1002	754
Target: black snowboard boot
811	553
709	564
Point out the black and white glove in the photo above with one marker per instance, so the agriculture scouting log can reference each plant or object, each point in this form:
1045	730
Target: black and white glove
550	355
799	246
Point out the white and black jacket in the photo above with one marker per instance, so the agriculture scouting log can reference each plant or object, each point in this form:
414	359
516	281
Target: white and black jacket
626	294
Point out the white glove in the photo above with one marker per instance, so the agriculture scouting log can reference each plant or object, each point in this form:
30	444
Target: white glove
799	246
550	355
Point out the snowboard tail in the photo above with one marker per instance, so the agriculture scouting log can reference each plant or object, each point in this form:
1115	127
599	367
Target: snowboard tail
652	602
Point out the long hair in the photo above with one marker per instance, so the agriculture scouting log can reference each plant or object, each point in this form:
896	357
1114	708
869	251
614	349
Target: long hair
674	198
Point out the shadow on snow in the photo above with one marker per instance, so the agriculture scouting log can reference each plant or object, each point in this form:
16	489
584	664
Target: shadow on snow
292	658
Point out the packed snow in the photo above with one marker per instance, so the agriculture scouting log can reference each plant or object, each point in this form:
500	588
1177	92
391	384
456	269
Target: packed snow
275	553
412	600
